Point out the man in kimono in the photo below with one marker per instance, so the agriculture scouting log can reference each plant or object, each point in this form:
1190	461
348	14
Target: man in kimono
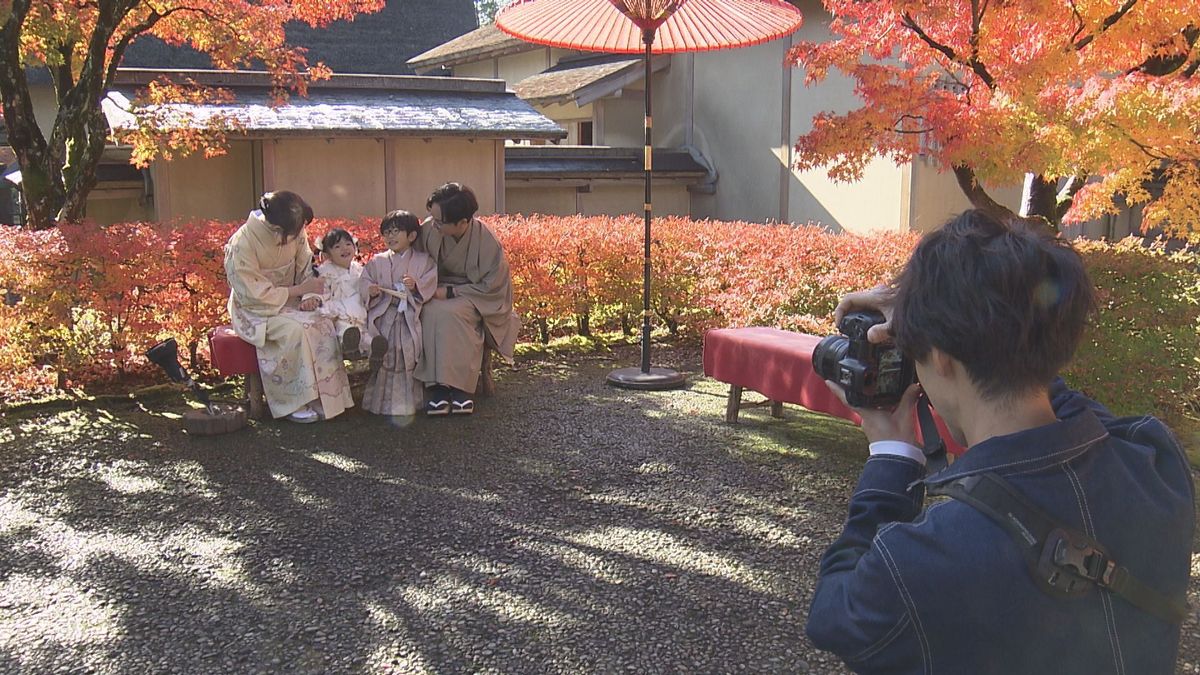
472	308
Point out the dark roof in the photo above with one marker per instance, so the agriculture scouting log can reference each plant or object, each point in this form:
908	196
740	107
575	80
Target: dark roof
586	79
581	161
371	43
356	105
484	42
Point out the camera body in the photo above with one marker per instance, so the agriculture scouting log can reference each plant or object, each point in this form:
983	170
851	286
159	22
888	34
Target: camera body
873	376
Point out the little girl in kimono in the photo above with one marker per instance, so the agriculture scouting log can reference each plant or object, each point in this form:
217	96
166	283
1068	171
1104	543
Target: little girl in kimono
342	300
397	283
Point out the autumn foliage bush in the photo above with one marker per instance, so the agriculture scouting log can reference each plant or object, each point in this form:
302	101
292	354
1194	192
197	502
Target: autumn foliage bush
93	298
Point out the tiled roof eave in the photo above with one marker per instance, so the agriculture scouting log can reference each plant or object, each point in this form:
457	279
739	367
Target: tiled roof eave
483	134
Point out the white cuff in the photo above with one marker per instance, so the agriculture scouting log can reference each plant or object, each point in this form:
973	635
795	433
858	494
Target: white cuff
898	448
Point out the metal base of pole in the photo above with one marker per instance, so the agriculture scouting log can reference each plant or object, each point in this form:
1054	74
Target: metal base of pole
655	380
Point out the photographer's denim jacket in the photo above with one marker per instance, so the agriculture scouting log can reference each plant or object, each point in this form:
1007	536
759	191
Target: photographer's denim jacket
945	590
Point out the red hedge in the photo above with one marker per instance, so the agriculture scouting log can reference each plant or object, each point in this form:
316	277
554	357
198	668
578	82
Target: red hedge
93	298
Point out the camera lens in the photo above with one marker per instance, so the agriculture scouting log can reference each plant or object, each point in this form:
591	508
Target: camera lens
829	352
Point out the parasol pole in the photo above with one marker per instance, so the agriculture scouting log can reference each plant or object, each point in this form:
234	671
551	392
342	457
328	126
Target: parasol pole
647	377
648	40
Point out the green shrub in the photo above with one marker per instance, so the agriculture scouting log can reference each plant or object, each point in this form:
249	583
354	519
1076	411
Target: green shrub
1142	354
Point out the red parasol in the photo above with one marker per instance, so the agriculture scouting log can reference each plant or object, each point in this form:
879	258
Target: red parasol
648	27
616	26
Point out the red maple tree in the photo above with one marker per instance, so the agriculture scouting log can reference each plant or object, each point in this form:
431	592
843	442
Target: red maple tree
1094	104
82	42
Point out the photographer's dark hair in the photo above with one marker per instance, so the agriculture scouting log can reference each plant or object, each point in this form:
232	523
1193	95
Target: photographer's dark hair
400	220
1009	303
286	211
457	201
333	237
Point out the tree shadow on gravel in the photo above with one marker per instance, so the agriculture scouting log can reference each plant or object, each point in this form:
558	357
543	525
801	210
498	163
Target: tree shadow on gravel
567	526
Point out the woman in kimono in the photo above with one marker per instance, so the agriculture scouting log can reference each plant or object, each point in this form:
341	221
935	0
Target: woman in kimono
397	283
269	268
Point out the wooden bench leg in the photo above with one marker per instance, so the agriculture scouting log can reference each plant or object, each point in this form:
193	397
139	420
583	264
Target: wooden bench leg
254	392
776	408
487	385
733	404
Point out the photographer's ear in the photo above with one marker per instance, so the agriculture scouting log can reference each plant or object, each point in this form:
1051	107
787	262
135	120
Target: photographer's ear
943	364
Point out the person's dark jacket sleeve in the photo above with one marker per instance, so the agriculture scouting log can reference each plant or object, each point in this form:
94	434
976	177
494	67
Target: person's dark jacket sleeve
859	611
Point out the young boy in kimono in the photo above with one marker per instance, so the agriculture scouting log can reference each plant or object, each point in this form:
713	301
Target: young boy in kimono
342	300
397	282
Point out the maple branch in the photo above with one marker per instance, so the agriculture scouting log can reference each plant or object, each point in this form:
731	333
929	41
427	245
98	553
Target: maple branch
1079	22
978	197
1165	64
1105	24
1146	150
896	125
976	20
973	63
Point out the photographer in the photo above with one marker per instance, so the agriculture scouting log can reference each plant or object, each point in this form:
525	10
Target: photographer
1066	544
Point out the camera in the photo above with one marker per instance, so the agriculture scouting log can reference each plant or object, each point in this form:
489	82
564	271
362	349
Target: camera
873	376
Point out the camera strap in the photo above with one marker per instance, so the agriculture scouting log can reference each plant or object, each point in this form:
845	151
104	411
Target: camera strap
933	446
1063	561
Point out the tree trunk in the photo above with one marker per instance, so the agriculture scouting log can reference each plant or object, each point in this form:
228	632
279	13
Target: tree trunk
584	324
543	330
41	183
1038	198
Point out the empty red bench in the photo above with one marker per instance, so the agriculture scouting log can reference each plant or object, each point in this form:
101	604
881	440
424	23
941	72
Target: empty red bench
231	355
777	364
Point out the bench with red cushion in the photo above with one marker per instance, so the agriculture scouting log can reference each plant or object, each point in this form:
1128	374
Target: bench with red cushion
231	355
777	364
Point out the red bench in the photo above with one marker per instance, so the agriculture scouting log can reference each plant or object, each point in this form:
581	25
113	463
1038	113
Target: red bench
231	355
775	363
778	364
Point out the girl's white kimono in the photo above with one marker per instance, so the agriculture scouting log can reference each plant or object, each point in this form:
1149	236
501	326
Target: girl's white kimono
298	352
342	301
392	389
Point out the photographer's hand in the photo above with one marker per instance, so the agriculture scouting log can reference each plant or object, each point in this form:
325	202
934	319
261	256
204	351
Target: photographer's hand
887	425
879	299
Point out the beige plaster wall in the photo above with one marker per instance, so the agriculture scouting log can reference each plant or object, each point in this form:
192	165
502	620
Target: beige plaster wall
605	198
624	119
340	178
118	210
221	188
420	166
736	126
486	69
875	203
528	199
516	67
936	196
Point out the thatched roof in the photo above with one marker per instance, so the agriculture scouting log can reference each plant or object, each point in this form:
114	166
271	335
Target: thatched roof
379	43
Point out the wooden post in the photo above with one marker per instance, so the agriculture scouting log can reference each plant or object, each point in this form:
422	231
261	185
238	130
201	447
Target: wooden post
776	408
487	385
733	404
254	392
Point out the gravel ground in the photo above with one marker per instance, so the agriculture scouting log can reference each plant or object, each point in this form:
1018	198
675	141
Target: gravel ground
566	527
